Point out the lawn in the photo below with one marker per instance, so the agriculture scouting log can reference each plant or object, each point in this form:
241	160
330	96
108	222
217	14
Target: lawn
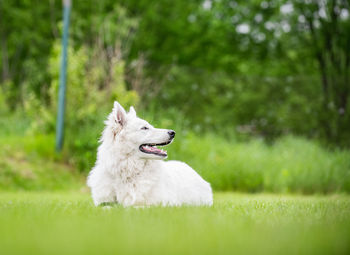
67	223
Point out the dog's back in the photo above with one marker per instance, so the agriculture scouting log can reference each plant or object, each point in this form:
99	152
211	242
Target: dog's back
182	185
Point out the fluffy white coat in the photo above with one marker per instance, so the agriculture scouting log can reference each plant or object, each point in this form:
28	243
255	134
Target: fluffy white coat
125	174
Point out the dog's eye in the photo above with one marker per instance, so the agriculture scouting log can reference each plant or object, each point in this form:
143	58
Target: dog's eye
144	128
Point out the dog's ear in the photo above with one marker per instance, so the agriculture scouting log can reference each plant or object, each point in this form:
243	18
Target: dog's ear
132	112
119	114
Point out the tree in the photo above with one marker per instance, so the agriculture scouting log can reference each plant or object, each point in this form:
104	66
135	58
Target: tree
324	28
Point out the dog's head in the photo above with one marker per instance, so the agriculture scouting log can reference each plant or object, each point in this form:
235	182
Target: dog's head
136	136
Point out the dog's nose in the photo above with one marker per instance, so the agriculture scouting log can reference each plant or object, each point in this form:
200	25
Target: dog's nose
171	133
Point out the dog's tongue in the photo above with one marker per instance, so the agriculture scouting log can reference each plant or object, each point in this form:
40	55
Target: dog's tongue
153	149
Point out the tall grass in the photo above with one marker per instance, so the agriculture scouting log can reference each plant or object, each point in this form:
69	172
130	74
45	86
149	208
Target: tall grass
291	164
29	163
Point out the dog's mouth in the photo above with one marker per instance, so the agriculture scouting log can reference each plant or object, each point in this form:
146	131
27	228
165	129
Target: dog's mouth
151	148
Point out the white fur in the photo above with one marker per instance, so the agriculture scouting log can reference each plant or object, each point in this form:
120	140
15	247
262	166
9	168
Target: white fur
126	175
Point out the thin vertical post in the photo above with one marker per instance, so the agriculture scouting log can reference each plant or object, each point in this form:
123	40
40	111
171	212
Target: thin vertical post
63	75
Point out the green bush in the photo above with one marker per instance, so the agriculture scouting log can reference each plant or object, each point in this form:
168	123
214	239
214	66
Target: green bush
92	86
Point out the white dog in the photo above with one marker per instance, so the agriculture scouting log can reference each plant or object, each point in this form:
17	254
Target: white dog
129	168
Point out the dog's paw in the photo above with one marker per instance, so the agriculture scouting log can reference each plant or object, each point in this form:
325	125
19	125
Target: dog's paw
108	205
129	200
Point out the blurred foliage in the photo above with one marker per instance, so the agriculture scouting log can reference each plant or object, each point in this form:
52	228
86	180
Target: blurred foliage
262	68
237	69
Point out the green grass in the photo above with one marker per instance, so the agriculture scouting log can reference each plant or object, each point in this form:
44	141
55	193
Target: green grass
67	223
